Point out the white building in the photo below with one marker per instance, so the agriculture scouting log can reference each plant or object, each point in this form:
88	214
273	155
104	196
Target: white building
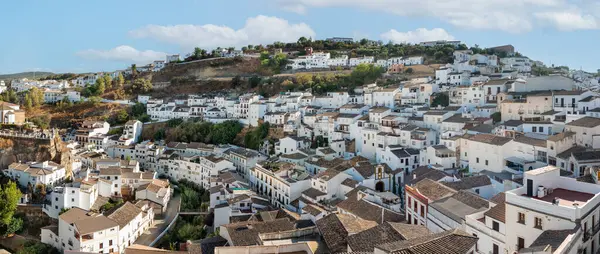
281	181
45	173
81	230
361	60
548	211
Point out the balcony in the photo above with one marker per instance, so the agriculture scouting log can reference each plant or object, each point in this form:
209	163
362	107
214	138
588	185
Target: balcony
565	105
591	232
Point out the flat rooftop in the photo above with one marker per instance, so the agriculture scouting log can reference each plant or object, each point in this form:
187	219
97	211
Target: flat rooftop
567	197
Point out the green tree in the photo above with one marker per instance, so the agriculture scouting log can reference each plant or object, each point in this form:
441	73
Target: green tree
496	117
142	85
122	116
254	81
107	81
35	247
37	96
100	86
189	232
28	102
94	100
138	109
15	225
236	81
440	99
409	70
10	195
120	81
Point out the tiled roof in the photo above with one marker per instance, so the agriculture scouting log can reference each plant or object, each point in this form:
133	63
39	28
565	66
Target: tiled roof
433	190
313	193
586	122
531	141
425	172
368	211
246	233
553	238
470	182
124	214
366	241
497	212
335	229
350	182
459	205
587	155
451	241
490	139
312	209
513	123
561	136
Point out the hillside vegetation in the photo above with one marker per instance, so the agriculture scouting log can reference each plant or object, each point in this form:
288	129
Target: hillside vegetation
28	75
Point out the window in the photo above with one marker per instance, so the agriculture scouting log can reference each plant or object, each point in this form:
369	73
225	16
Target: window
72	200
496	226
486	162
541	129
422	211
101	245
521	218
116	185
495	249
415	205
477	160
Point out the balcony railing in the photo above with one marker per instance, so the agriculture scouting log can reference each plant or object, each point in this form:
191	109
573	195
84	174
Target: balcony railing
565	105
591	232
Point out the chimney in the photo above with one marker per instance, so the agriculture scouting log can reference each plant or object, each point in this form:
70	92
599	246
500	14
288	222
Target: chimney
414	175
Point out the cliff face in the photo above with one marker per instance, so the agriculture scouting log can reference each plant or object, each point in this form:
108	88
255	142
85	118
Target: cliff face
13	149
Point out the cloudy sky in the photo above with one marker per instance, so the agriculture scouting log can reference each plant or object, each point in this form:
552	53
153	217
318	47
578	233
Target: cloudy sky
83	36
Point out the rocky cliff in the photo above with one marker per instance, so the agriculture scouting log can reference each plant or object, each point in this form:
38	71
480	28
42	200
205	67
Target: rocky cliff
15	149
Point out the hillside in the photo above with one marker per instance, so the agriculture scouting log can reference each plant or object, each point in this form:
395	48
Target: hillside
29	75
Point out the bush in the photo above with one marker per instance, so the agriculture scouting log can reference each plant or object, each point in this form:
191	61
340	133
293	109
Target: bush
35	247
42	122
16	224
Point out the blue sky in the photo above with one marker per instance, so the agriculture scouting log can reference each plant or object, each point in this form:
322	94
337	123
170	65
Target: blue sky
85	36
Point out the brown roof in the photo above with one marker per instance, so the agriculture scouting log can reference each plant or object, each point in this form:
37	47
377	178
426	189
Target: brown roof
335	229
587	122
313	193
142	249
368	211
433	190
73	214
94	224
490	139
246	233
470	182
366	241
452	241
531	141
124	214
561	136
498	212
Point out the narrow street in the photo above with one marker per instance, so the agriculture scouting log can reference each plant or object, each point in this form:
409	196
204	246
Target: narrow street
160	224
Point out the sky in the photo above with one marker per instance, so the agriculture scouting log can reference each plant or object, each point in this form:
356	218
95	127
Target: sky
93	36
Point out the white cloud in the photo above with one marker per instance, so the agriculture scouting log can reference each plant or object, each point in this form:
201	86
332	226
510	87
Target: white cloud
569	20
257	30
122	53
506	15
416	36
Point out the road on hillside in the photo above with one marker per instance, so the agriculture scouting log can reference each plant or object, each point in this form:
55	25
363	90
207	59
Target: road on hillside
160	224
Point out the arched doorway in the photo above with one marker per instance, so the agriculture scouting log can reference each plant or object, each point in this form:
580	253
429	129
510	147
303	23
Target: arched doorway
379	186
